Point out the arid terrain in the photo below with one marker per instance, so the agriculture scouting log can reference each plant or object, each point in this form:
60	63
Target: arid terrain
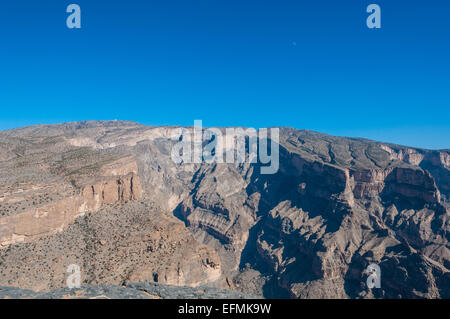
107	196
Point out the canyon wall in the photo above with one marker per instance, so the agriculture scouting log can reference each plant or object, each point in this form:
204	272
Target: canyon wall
54	217
335	206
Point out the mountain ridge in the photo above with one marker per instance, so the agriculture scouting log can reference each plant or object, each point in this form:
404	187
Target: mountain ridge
138	124
335	206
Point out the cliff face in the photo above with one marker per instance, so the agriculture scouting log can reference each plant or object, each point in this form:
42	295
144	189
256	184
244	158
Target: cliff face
346	212
62	205
335	206
54	217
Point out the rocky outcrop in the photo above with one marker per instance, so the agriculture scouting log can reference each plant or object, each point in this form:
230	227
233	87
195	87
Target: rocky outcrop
126	291
413	184
54	217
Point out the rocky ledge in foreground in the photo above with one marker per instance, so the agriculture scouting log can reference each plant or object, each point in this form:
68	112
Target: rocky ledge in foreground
127	291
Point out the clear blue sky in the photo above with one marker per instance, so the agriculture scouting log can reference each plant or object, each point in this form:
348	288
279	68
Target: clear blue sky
305	63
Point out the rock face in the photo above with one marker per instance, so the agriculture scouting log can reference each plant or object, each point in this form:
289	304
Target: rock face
54	217
335	206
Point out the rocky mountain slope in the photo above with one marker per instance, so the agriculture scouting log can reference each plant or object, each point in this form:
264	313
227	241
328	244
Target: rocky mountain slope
108	197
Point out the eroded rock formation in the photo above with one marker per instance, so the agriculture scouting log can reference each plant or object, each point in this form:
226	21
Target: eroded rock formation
119	184
335	206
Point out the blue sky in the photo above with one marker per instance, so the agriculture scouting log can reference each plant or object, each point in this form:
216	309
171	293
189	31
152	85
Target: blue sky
306	64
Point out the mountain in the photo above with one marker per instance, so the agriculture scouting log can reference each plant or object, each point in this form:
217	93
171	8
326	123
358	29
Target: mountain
109	197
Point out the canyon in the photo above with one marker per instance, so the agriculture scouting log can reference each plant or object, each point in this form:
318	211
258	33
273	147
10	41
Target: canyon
107	196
